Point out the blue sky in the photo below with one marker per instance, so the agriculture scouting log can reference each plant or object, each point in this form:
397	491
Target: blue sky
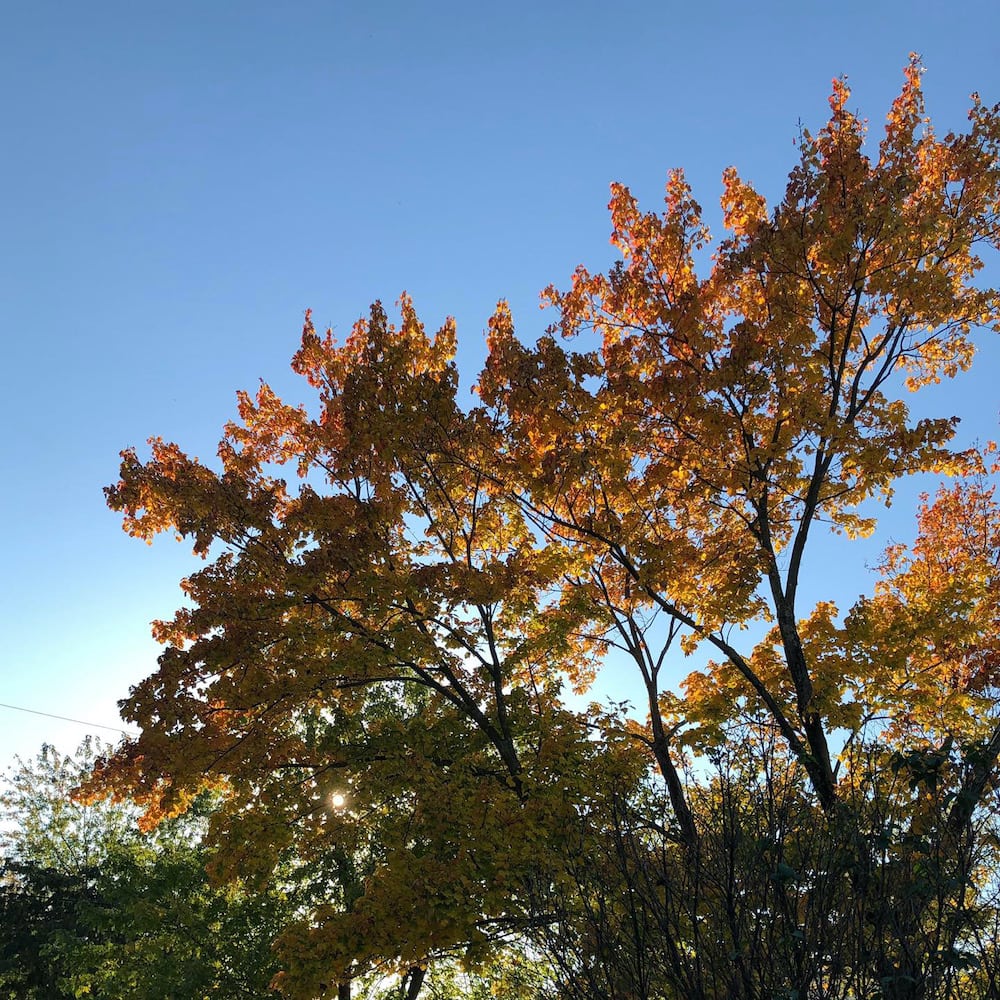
181	181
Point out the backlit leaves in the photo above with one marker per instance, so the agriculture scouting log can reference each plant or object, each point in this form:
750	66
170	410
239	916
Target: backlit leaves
398	589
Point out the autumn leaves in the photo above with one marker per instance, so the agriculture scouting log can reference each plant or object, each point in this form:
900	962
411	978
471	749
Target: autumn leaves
642	481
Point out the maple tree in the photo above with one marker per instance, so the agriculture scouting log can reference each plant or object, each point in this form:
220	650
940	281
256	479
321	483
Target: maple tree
399	628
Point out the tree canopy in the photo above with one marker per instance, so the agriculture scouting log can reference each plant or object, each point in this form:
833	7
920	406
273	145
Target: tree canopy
372	668
89	906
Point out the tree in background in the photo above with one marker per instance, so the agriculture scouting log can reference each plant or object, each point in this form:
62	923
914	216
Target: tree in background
53	849
44	825
92	906
371	670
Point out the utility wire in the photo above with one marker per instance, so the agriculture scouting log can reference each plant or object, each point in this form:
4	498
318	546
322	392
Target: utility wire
66	718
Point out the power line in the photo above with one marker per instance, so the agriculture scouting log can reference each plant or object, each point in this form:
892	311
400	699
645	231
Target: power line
66	718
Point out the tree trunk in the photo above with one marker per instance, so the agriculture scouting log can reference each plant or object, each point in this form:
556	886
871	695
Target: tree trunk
415	980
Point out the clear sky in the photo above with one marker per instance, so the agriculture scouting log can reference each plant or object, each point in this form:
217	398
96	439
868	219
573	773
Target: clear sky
182	180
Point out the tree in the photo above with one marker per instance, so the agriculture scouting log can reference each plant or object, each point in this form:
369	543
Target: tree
91	906
41	911
44	825
401	625
52	851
